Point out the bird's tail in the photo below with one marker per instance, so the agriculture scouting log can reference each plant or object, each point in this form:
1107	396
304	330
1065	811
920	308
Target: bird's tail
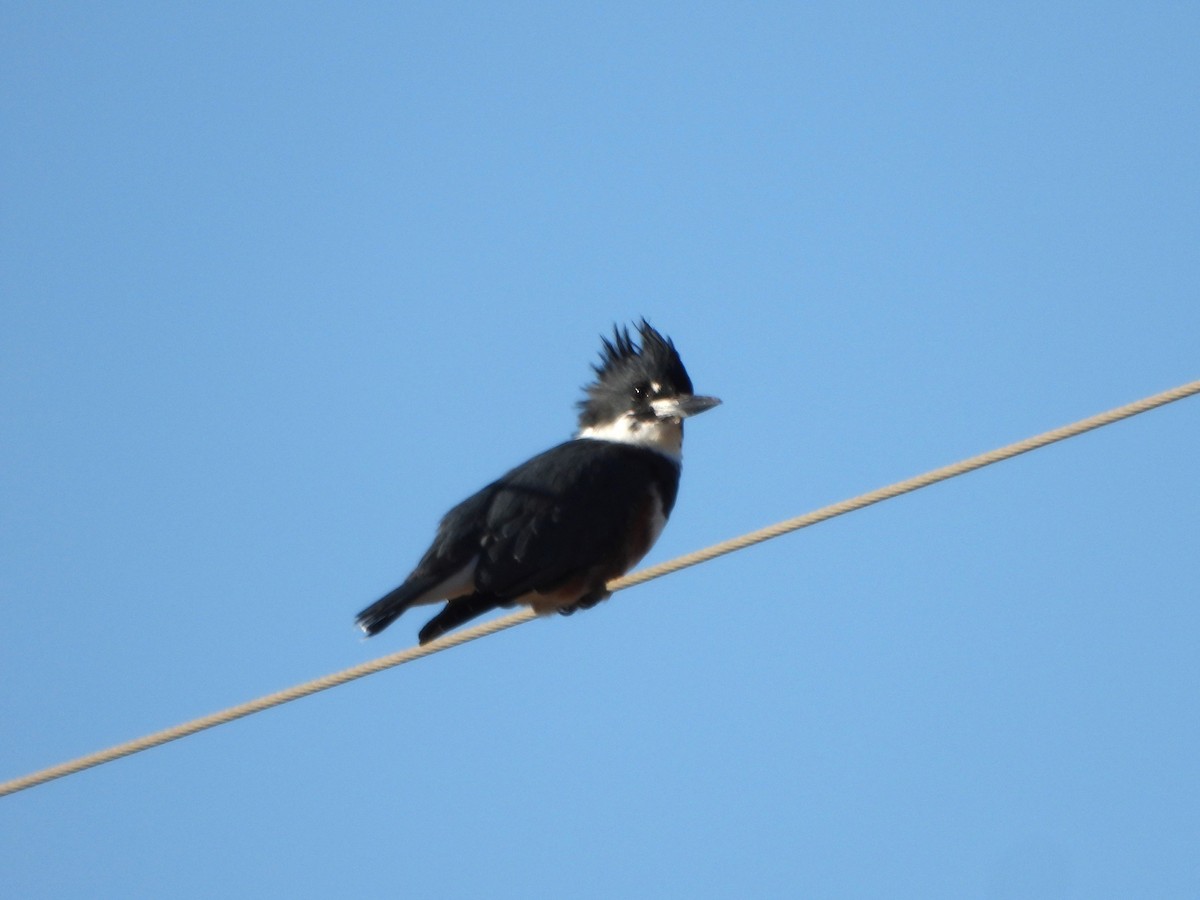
388	608
457	612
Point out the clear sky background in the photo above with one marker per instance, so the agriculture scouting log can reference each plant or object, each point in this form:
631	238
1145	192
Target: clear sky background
282	282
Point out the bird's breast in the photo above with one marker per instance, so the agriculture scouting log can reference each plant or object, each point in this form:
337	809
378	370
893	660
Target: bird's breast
647	526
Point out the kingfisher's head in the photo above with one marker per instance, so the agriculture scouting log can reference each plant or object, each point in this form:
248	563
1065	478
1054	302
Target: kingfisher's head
642	393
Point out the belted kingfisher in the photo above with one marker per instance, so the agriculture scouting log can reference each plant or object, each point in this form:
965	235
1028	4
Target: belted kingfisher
556	529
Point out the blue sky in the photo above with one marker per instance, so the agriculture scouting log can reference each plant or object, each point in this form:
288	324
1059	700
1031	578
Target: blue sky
283	282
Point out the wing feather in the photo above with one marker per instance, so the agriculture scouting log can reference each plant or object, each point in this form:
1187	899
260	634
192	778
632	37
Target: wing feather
564	513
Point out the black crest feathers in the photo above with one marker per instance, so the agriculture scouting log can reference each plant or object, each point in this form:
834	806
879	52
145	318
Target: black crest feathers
626	362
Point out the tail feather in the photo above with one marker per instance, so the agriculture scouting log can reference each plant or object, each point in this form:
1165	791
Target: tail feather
457	612
387	609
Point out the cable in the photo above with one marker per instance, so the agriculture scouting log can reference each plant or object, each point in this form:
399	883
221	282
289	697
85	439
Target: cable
691	559
904	487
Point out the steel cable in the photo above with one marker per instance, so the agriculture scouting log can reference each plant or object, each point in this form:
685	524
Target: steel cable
691	559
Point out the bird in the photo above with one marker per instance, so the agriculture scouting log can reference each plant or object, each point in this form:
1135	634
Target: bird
553	531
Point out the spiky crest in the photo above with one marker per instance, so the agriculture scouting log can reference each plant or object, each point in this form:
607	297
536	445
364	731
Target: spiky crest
627	365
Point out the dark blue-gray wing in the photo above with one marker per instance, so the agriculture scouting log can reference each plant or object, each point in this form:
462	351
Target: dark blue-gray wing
567	513
571	514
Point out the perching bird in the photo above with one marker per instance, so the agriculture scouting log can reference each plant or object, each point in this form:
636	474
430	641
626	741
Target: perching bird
552	532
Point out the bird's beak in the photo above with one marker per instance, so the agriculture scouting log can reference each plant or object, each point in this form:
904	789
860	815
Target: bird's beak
682	407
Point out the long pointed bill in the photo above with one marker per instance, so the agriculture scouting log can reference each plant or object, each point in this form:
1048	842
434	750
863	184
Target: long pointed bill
682	407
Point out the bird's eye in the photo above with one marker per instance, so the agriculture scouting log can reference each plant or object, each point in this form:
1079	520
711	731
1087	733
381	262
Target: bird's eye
640	391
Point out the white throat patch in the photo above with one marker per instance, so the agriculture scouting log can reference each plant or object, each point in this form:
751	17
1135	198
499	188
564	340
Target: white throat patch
664	436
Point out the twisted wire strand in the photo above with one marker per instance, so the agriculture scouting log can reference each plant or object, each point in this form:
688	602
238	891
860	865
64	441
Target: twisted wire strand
904	487
493	626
